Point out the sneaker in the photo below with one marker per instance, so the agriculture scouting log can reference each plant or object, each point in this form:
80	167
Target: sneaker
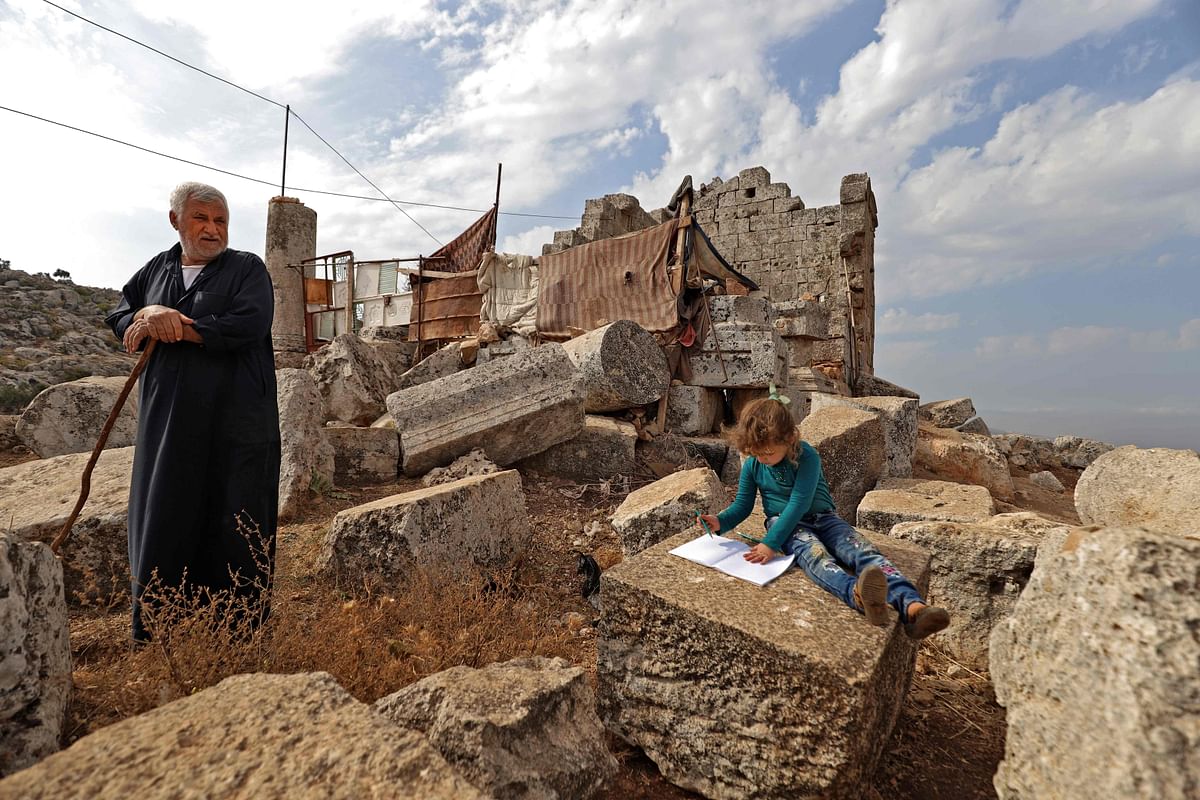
928	621
871	593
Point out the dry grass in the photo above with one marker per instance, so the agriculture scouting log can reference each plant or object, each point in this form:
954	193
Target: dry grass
373	638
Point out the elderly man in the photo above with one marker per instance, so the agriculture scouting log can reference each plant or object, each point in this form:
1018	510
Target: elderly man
206	468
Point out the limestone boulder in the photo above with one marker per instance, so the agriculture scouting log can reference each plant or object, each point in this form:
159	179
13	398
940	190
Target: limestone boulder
1029	453
35	653
694	410
620	365
364	455
1096	667
304	450
480	519
948	413
896	500
974	425
605	448
353	379
526	728
899	418
1048	481
851	444
37	497
473	463
1155	488
512	408
964	457
713	677
444	361
68	417
666	507
1075	451
977	572
270	737
735	354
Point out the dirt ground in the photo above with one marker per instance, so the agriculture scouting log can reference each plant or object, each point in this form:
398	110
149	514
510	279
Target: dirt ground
947	743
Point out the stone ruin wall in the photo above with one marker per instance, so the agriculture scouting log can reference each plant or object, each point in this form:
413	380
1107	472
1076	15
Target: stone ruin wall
793	253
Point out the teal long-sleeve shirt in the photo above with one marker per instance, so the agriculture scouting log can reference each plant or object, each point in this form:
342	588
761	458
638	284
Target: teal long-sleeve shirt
789	490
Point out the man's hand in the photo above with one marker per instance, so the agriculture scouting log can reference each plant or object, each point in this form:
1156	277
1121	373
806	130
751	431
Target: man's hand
165	324
760	554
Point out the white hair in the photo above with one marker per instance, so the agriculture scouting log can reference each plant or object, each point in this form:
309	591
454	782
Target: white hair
191	190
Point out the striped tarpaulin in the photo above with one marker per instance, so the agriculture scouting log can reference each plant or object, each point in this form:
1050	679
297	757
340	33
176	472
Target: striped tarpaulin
591	285
465	251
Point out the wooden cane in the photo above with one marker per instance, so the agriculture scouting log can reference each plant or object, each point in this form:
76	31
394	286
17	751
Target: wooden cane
86	486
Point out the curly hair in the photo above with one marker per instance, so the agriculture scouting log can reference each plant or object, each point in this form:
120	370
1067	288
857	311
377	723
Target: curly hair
764	422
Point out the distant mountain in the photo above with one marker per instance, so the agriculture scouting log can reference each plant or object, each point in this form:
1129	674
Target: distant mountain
53	331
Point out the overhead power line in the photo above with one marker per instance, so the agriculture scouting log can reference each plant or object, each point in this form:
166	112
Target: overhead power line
270	183
181	62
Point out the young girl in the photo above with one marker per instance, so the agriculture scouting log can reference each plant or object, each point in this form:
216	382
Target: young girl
801	521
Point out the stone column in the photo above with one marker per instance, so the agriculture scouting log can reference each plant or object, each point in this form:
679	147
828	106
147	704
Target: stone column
291	238
856	243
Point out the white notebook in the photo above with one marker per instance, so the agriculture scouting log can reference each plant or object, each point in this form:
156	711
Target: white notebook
725	555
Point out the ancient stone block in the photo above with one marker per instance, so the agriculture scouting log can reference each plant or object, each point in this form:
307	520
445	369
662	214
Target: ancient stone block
753	177
1155	488
948	413
1096	667
364	455
753	310
965	457
974	425
899	418
854	188
620	365
665	507
35	654
512	408
694	410
751	357
352	379
480	519
605	448
37	497
525	728
270	737
851	445
874	386
68	417
976	573
304	450
896	500
447	360
712	677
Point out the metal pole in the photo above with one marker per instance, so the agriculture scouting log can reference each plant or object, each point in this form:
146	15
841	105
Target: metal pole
287	115
496	218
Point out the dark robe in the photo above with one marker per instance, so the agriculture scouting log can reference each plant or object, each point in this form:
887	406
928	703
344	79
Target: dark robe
208	427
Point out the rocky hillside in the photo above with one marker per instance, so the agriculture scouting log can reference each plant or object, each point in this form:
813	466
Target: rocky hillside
52	331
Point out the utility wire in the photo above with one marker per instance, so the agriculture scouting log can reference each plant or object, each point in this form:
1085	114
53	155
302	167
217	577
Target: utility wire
164	55
275	103
365	178
265	182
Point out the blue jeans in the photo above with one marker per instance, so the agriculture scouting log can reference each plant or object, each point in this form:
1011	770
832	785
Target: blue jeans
813	541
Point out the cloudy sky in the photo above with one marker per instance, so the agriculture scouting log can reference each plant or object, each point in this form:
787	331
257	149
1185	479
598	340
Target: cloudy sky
1036	162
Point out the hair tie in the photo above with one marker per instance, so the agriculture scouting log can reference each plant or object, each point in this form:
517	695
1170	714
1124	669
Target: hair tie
773	394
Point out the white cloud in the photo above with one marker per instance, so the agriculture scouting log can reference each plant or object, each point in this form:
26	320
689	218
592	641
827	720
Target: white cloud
893	354
1091	338
899	320
529	242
